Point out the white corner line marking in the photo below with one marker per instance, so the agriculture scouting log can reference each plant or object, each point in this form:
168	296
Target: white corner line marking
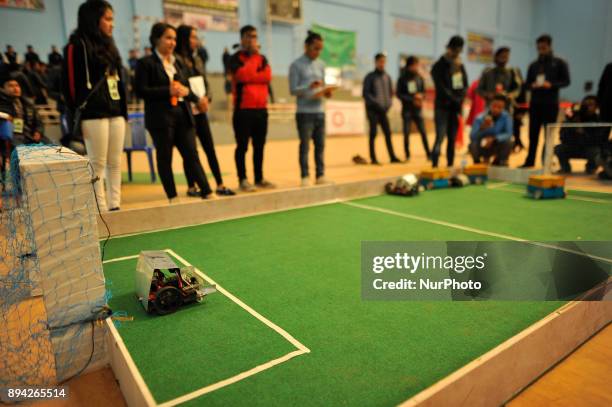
231	380
248	309
301	348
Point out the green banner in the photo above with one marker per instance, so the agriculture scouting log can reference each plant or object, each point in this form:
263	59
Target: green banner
339	48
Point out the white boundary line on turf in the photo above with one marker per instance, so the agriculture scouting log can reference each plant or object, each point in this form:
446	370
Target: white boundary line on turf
231	380
248	309
473	230
131	365
134	256
301	348
497	185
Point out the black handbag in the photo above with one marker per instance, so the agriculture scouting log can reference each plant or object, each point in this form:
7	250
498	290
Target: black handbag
76	117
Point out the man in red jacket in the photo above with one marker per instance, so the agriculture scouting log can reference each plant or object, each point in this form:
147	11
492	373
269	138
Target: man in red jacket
251	76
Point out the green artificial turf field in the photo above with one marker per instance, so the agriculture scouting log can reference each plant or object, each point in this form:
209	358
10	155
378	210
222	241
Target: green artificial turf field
301	270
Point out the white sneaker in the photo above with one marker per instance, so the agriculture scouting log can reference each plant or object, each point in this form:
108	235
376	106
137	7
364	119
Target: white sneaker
245	186
322	181
305	182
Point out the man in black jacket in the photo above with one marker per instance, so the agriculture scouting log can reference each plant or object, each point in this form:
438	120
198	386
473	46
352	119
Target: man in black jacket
604	94
27	126
451	82
545	77
411	91
378	94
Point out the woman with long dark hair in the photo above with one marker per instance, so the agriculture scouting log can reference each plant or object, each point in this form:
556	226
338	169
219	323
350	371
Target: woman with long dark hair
186	53
92	82
161	82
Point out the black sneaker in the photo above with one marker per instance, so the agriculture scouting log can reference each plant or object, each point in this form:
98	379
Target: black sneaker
193	192
225	191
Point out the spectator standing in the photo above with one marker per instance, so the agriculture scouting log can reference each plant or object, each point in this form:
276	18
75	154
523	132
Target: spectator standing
91	72
545	77
478	103
226	72
186	47
161	82
500	79
411	91
377	94
251	77
604	94
450	79
307	83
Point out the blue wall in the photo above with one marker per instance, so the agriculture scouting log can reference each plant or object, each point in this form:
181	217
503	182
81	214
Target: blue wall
582	34
579	28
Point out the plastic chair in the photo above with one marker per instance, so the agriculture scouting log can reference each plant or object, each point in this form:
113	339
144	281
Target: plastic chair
136	140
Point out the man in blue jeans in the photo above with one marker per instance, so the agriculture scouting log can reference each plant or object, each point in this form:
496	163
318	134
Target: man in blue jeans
306	81
450	79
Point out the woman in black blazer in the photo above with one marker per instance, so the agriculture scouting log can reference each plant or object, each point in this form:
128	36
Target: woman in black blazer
186	53
160	82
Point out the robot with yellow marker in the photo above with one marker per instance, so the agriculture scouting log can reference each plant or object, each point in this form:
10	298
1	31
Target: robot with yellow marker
546	187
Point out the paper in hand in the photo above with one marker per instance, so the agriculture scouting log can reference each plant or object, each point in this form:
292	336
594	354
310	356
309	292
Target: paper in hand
196	83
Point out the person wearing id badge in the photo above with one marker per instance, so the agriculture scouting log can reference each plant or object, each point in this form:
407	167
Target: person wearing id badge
307	83
450	80
200	97
92	84
378	96
410	90
545	77
162	84
25	124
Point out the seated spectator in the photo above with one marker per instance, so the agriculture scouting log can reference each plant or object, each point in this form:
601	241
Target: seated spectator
31	55
27	126
582	142
11	59
55	58
37	78
491	133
